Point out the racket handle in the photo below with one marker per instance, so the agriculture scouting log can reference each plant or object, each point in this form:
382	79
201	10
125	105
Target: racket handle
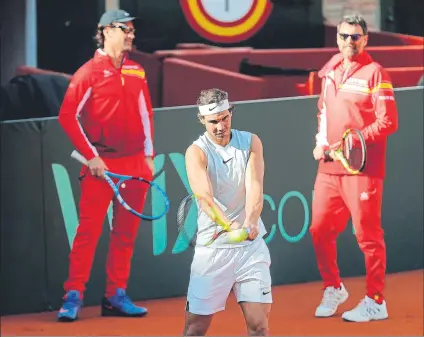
327	157
78	156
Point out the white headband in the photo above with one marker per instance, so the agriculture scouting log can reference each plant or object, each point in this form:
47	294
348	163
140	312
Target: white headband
214	108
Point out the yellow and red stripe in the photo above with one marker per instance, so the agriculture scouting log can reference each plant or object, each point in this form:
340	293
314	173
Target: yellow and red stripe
218	31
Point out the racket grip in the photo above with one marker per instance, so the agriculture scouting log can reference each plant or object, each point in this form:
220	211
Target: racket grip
78	156
327	157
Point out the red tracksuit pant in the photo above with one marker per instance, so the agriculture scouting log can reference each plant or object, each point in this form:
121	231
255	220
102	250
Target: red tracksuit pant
336	199
96	196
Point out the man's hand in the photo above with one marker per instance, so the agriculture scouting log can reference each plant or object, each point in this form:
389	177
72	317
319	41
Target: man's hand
319	152
254	230
97	167
149	162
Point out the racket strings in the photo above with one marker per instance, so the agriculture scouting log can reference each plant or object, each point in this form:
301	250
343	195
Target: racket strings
354	155
182	215
190	234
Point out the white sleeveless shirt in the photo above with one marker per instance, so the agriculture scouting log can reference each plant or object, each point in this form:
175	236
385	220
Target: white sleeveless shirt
226	167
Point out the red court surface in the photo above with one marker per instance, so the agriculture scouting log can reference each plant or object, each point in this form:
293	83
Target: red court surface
292	315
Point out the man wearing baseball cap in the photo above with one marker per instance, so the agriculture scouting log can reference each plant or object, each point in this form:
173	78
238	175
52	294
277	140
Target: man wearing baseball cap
108	116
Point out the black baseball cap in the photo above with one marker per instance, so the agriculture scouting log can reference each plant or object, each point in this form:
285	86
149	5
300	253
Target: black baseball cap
115	15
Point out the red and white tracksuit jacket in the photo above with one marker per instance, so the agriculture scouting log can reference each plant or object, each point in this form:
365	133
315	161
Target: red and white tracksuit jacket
361	97
113	106
107	112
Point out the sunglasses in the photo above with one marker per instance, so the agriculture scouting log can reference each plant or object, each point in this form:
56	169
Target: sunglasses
125	29
355	37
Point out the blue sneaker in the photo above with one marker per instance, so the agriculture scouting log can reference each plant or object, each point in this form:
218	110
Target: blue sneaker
71	306
121	305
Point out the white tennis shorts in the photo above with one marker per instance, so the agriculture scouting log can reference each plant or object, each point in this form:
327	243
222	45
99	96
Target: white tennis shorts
217	271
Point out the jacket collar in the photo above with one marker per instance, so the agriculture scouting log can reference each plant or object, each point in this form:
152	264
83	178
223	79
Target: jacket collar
101	54
363	59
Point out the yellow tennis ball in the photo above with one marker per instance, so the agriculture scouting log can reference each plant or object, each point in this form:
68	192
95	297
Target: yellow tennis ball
237	235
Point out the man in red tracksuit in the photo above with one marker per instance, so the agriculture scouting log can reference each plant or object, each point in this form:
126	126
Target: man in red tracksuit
107	114
356	93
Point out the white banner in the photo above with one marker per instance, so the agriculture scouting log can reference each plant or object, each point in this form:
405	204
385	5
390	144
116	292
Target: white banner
334	10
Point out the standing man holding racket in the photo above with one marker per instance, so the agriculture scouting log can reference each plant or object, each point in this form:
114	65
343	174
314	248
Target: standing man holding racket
356	93
108	116
225	169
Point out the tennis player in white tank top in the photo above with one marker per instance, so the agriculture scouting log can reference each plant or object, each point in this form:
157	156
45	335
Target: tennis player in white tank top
226	167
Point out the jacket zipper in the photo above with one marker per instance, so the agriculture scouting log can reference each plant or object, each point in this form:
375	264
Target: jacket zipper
122	103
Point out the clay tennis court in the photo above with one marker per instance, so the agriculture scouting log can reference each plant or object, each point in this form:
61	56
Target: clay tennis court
292	314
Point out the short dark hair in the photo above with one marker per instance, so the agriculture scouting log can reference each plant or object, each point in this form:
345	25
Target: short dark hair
354	19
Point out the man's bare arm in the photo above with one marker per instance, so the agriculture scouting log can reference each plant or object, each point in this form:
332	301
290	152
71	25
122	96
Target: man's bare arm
196	166
254	182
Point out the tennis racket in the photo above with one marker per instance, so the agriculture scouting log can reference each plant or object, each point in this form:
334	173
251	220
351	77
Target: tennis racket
122	178
187	205
353	157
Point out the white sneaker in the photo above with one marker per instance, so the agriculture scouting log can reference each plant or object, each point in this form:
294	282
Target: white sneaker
367	310
331	299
